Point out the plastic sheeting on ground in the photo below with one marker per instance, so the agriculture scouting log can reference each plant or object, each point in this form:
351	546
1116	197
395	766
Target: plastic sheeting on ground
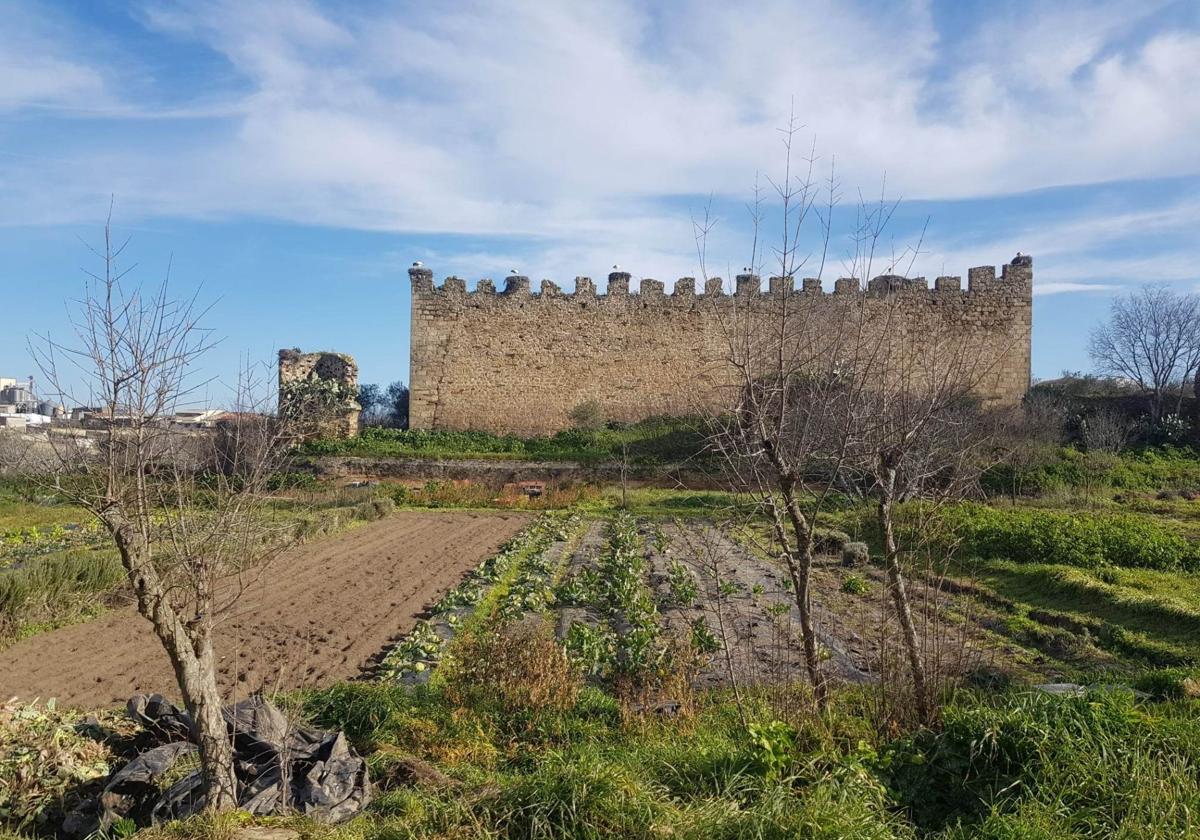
280	767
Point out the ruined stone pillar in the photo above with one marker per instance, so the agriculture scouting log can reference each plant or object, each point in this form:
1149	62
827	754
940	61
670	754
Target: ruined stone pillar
319	391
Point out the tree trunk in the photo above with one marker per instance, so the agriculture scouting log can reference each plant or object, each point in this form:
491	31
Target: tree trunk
801	581
799	562
197	679
899	592
191	653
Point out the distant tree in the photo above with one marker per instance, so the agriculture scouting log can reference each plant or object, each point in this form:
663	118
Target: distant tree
370	397
395	400
1152	338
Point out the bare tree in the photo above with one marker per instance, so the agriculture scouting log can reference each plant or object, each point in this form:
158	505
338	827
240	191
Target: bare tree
1152	338
786	430
921	436
186	517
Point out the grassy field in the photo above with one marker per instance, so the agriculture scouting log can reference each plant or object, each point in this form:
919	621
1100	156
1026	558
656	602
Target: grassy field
24	504
1094	584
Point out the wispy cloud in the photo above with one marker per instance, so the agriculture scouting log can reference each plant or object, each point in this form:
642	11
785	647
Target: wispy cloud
566	127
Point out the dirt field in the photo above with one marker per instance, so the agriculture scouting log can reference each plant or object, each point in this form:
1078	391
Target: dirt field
323	613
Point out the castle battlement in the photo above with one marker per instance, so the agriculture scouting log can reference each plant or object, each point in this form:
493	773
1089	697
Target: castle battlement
1014	277
513	357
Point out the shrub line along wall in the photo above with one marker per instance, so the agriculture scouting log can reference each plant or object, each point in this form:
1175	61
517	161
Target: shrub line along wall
518	362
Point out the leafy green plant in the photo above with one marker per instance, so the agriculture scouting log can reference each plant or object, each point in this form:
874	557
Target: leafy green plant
683	588
855	585
592	649
773	745
1087	541
703	639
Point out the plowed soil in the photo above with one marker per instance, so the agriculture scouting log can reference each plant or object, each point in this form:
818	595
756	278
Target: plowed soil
321	613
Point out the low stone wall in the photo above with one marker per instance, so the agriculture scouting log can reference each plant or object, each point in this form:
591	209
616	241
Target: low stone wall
497	473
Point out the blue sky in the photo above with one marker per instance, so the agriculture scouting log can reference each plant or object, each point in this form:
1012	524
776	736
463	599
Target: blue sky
294	158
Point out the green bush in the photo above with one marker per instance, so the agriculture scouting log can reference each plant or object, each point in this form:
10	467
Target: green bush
855	554
374	509
1170	683
855	585
1072	539
648	442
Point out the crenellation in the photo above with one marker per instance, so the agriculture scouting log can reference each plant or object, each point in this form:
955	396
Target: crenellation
885	284
981	277
520	361
516	285
485	287
747	284
780	286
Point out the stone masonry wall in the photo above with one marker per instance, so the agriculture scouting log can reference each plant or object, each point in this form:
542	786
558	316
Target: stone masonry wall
514	361
338	419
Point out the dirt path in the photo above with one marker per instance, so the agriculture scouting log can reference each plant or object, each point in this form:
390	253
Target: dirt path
322	614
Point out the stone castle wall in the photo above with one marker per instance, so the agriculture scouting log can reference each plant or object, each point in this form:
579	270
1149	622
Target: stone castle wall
515	361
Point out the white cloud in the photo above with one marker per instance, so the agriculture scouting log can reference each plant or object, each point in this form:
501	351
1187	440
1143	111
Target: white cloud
568	124
35	72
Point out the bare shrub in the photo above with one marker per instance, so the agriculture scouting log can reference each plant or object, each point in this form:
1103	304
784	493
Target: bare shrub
1106	430
517	668
588	415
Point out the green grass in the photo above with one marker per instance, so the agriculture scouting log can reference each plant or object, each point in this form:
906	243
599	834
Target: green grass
1087	539
1161	607
657	502
649	442
1066	468
55	590
25	504
1010	765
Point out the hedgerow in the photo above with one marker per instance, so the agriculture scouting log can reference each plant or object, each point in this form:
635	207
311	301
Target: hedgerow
653	441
